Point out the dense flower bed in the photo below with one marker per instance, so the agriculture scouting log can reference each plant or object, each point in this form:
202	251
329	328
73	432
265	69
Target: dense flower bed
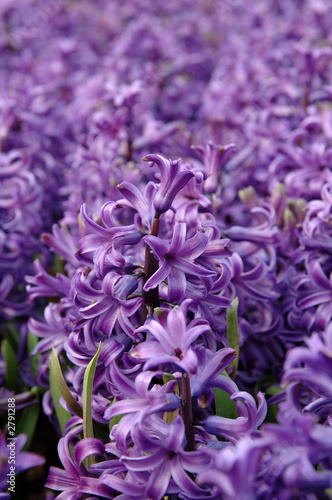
165	232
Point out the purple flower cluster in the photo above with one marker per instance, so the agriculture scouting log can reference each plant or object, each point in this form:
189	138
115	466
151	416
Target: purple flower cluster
175	159
153	291
21	226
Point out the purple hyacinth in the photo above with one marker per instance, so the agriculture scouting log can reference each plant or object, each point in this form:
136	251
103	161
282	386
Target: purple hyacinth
177	260
172	180
170	342
13	461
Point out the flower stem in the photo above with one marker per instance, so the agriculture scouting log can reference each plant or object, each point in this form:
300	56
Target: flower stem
150	298
187	413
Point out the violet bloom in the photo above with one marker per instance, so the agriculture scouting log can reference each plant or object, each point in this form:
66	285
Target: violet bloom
208	375
315	290
171	343
311	366
103	243
75	481
136	400
263	233
106	301
63	243
142	203
53	332
317	223
191	203
235	469
214	158
22	400
250	417
257	283
46	285
23	460
299	454
211	303
162	455
172	180
177	260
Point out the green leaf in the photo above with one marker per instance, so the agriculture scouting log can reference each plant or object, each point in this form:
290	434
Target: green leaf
27	424
87	392
32	342
13	334
225	407
167	377
58	264
59	388
9	356
273	390
233	334
269	385
272	412
62	414
115	420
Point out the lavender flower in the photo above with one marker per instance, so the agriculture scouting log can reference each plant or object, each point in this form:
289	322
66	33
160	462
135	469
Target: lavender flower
176	260
107	301
171	343
172	180
227	472
249	418
76	480
166	459
23	460
137	401
214	158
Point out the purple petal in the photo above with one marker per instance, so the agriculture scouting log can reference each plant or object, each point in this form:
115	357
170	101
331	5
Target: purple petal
92	225
158	481
177	284
315	299
146	462
175	437
194	247
176	327
191	268
60	480
157	245
178	238
158	277
147	350
193	333
182	479
165	198
118	484
85	448
124	407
